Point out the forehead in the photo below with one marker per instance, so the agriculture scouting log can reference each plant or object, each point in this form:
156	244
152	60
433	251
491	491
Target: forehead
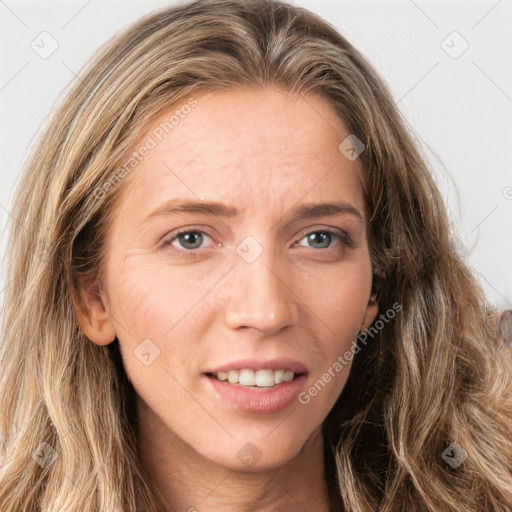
245	147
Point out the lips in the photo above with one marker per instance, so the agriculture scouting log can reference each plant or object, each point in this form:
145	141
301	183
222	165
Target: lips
265	400
256	385
284	363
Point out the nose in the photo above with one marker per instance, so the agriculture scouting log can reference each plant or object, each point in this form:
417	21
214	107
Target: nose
261	296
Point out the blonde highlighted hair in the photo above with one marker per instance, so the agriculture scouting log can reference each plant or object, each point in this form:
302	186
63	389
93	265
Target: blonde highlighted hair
435	375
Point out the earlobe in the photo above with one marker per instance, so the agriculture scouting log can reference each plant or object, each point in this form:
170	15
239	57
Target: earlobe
95	321
371	310
374	296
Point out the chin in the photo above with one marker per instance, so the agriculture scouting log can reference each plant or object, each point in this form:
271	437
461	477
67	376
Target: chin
259	453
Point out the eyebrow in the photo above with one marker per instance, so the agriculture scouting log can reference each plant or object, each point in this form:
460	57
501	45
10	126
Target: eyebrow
299	212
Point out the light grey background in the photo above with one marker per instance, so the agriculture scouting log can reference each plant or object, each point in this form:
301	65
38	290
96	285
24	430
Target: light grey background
458	104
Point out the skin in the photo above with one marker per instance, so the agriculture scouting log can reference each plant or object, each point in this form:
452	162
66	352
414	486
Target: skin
263	152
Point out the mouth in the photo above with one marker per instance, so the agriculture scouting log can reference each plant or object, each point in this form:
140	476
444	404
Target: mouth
263	379
263	391
257	386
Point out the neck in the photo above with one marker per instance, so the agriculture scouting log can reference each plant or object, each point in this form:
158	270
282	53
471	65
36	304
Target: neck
185	480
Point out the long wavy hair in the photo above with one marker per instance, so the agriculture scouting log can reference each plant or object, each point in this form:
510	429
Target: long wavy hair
433	378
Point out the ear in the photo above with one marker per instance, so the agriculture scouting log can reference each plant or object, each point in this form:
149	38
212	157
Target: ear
371	310
95	321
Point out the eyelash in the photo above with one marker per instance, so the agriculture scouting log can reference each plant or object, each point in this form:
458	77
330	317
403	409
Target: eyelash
341	235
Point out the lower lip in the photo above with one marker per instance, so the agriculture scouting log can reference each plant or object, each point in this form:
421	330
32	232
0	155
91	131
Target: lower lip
265	401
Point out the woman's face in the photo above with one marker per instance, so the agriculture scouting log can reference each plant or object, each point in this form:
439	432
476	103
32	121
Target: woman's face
262	282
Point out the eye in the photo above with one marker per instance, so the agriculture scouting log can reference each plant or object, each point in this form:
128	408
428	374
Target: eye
188	239
321	239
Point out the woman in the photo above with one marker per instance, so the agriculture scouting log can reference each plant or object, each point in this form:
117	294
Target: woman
252	369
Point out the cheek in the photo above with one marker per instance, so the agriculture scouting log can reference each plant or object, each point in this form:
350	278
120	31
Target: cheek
167	306
340	310
152	299
339	301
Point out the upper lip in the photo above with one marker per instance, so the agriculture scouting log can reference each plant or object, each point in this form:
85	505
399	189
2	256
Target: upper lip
282	363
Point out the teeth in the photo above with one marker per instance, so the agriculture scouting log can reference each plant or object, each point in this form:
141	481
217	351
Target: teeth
258	378
246	378
279	376
263	378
